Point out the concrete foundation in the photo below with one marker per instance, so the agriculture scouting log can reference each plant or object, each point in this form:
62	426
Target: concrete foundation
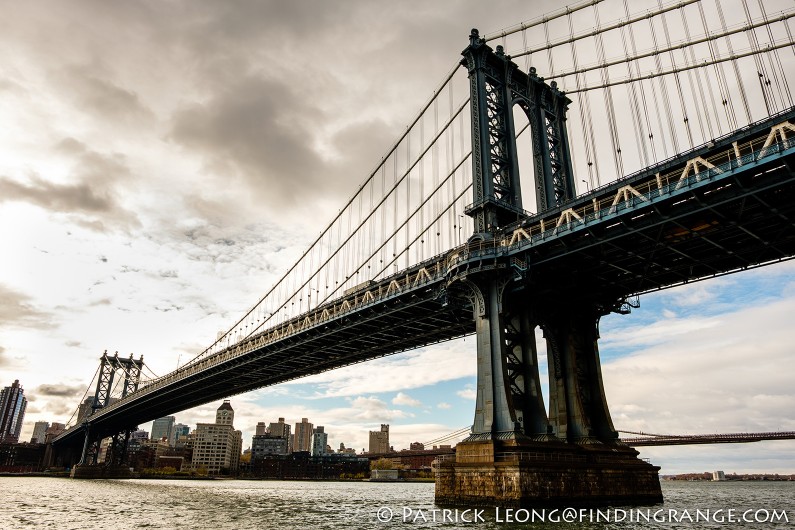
101	471
506	473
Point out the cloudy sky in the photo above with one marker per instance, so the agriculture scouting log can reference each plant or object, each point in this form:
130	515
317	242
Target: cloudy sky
161	163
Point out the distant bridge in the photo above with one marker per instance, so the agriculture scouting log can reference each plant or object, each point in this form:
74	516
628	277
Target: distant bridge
696	439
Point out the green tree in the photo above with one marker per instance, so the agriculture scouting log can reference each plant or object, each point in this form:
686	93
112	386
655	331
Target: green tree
382	463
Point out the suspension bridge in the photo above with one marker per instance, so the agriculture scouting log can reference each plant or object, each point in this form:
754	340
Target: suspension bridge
679	122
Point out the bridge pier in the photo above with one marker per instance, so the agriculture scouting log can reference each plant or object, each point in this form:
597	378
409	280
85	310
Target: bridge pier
114	464
531	474
578	410
517	455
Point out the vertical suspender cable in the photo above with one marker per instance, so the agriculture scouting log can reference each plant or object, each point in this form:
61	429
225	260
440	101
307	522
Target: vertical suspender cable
702	91
585	116
646	112
640	140
764	79
686	119
664	92
608	100
781	85
741	85
720	74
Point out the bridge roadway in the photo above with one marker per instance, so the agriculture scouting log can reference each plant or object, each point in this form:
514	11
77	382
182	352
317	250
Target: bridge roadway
695	439
723	207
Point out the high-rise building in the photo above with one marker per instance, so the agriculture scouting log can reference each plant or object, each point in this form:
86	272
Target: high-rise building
180	429
346	450
162	428
225	415
265	444
261	429
84	409
12	412
302	440
217	446
139	435
39	432
280	429
53	430
319	441
379	440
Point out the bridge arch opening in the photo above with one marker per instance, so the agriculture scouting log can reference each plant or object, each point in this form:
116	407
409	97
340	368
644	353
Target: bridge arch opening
524	155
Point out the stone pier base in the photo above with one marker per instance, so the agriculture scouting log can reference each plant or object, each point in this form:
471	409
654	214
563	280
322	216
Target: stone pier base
100	471
505	473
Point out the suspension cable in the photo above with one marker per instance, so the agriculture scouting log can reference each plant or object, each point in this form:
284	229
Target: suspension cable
673	47
542	20
82	399
653	75
607	28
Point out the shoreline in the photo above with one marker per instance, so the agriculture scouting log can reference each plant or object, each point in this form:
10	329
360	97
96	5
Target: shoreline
34	474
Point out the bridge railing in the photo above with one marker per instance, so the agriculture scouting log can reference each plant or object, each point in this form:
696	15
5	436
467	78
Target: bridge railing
661	185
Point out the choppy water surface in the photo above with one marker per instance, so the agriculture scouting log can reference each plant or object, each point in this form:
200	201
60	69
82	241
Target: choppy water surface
33	502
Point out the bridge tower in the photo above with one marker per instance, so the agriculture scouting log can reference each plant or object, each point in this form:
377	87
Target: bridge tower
109	368
518	453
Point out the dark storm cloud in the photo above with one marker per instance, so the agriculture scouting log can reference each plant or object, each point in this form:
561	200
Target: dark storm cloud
92	195
101	97
259	131
360	146
274	85
60	408
16	310
59	390
220	28
57	197
282	79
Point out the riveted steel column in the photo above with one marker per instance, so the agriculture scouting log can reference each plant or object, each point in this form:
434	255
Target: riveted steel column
578	406
525	383
494	416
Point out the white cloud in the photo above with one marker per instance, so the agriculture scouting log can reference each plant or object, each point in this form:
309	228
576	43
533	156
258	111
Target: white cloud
443	406
404	371
699	293
467	393
725	377
405	399
658	332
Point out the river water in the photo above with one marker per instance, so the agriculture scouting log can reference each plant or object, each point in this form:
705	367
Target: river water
40	502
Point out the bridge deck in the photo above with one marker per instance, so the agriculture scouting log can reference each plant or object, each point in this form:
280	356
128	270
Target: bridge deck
696	439
676	222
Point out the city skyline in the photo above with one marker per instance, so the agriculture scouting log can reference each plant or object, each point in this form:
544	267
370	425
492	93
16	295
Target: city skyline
144	201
